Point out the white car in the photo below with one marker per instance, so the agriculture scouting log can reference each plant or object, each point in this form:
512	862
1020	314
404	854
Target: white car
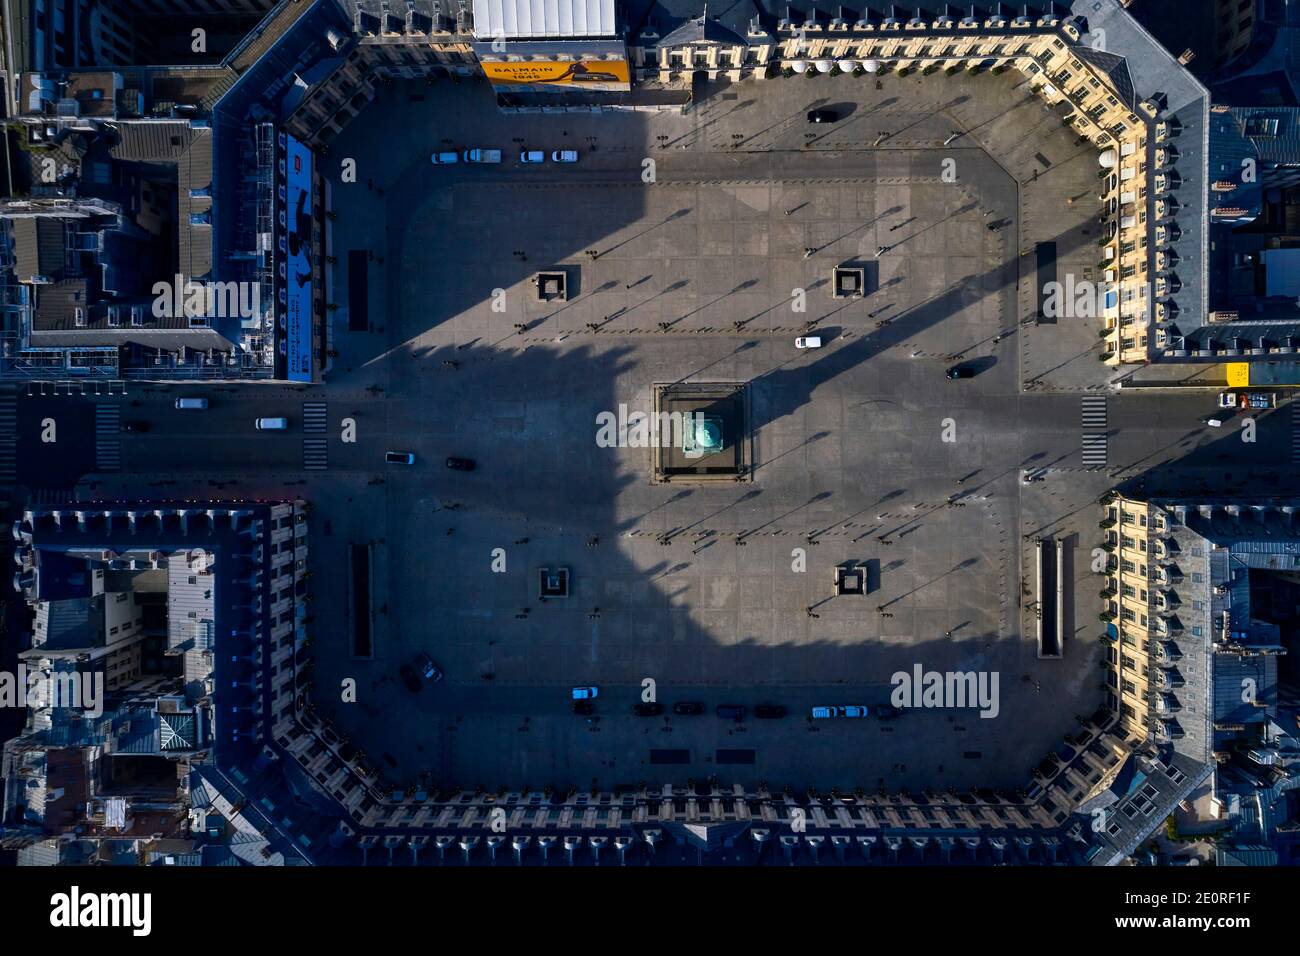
808	342
532	156
564	156
445	158
272	424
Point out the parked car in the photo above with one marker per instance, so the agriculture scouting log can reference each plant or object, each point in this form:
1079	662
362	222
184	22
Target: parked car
584	708
272	424
650	709
460	464
482	155
193	402
808	342
446	158
887	711
960	371
822	116
731	711
399	458
532	156
585	693
839	710
564	156
769	711
688	708
411	679
135	426
427	668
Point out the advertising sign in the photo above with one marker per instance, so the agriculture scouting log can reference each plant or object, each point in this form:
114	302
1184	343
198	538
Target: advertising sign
293	275
605	75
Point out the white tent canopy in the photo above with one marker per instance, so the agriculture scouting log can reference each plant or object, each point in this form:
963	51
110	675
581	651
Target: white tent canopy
516	19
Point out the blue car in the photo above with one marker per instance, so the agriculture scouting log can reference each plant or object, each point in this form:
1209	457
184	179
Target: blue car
839	710
585	693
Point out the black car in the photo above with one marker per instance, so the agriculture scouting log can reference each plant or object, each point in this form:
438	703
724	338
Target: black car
688	708
460	464
769	711
647	710
731	711
961	371
887	711
135	426
822	116
411	679
584	708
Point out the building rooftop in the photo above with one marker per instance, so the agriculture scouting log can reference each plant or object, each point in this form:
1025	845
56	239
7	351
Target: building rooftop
509	19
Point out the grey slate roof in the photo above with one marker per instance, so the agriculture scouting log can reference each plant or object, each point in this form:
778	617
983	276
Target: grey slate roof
39	246
1154	72
188	147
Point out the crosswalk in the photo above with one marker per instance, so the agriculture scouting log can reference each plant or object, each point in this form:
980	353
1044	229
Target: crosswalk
315	454
8	437
1295	433
1092	412
315	421
108	436
315	417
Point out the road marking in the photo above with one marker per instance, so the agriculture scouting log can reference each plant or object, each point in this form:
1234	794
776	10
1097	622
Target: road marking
8	437
1295	433
315	454
315	417
108	437
1092	413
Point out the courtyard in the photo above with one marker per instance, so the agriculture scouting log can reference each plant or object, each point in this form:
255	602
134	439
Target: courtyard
700	268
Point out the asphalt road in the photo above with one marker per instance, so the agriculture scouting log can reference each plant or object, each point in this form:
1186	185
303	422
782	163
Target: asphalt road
1163	431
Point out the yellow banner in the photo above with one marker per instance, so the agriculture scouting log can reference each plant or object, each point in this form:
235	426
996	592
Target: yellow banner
579	74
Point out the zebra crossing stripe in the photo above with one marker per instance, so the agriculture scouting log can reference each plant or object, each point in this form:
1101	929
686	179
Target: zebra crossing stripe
315	454
1295	433
315	417
108	437
1092	414
8	437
